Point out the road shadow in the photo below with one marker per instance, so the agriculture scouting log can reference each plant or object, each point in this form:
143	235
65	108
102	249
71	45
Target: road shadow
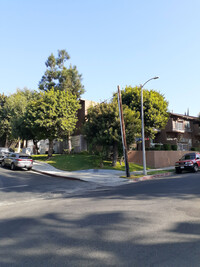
100	239
184	186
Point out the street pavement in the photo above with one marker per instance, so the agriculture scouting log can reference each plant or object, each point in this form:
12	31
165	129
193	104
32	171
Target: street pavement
98	176
27	186
148	224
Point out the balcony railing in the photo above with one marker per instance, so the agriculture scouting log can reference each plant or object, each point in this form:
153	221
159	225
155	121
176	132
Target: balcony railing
178	129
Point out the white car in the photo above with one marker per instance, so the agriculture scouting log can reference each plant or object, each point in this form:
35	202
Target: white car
18	160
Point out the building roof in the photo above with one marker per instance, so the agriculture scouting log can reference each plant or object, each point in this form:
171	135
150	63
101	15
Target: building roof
186	117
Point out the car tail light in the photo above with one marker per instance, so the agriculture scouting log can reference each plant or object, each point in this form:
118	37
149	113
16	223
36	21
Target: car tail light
24	159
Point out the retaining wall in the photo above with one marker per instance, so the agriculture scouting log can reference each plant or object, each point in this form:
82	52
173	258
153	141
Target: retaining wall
156	159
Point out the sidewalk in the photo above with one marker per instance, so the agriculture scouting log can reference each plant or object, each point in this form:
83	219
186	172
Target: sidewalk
100	176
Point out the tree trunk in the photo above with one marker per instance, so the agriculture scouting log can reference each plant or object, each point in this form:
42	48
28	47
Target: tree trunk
6	143
50	152
24	144
115	154
35	147
69	143
19	145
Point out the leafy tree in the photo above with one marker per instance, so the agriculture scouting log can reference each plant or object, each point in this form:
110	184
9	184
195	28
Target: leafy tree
60	77
102	126
5	121
52	115
30	130
17	104
12	109
155	107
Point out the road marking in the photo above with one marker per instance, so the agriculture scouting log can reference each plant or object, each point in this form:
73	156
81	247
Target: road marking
13	186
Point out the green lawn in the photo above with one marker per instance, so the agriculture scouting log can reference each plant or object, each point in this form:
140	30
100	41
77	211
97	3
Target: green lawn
82	162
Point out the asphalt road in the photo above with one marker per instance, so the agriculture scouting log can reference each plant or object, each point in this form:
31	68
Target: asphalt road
152	223
21	185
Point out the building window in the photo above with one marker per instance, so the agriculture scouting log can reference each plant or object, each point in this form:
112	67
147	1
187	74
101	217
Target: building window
178	125
187	125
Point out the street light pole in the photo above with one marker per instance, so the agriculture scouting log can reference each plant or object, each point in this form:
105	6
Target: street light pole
142	119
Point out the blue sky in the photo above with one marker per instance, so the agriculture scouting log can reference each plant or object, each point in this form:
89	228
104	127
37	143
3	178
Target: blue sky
112	42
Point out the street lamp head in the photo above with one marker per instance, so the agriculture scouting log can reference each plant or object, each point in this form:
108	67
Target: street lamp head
156	77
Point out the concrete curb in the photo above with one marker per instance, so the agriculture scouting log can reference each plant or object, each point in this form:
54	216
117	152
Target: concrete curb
60	176
150	177
143	178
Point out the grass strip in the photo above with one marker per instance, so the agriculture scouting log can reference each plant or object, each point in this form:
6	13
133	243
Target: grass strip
76	162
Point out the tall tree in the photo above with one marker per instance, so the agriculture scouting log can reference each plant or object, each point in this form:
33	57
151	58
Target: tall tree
52	115
16	104
102	126
60	77
155	107
5	121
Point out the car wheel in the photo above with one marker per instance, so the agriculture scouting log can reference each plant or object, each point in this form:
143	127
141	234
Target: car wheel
195	168
12	166
2	163
178	170
29	168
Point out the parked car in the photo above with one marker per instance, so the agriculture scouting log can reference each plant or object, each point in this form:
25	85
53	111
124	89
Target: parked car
190	161
17	160
4	151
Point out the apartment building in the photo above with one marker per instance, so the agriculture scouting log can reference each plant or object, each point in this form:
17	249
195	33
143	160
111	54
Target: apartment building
181	130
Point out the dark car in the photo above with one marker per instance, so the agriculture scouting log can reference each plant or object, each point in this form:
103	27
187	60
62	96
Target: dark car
18	160
190	161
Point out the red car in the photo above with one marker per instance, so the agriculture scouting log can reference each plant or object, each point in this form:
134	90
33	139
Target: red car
190	161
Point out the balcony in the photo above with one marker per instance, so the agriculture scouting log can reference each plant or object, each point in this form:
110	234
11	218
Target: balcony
178	129
178	126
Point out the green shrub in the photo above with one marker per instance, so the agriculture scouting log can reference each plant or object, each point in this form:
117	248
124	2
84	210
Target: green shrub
174	147
66	151
158	147
166	147
194	149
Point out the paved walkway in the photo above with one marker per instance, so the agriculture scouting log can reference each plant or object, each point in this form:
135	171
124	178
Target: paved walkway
100	176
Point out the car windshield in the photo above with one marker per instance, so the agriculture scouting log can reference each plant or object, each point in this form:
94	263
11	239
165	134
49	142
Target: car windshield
188	156
25	157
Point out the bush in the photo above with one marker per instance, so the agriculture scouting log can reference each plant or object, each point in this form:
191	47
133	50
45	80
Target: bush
174	147
67	151
194	149
157	147
166	147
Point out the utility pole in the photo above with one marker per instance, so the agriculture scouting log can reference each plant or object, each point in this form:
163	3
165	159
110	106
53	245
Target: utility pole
142	119
123	133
